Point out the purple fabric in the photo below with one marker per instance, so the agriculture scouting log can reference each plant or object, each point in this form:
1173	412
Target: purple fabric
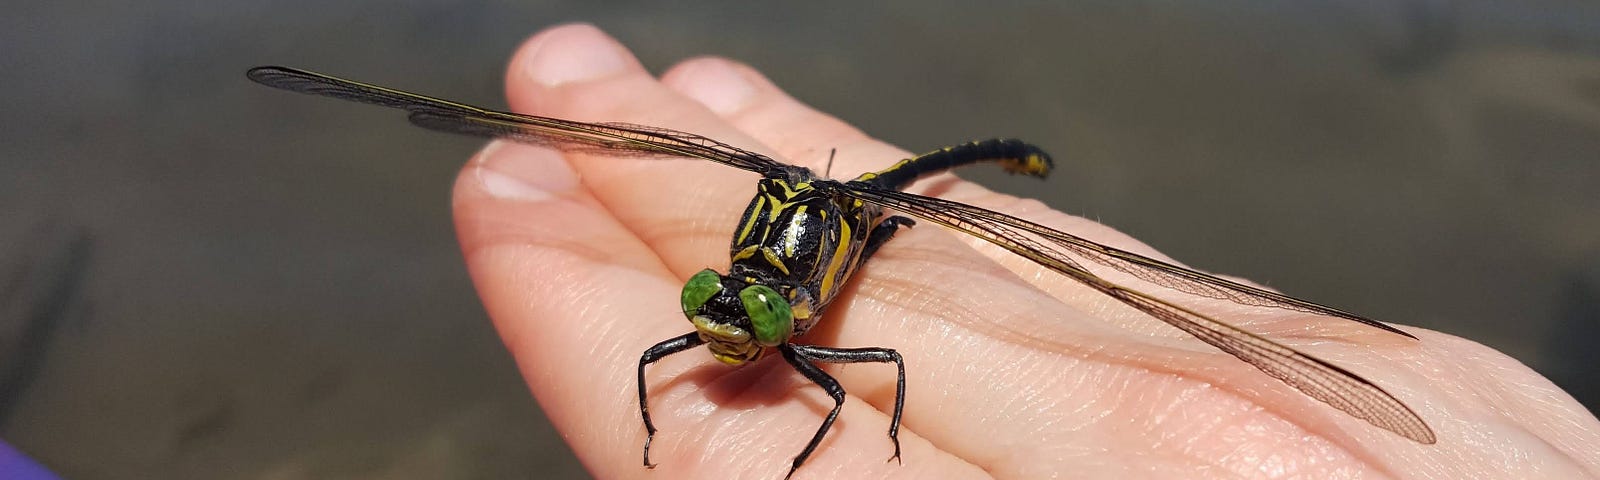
16	466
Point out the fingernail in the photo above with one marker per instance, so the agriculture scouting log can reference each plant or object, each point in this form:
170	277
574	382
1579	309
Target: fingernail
575	53
718	85
523	173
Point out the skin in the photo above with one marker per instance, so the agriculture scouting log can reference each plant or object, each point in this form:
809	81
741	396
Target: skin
1012	371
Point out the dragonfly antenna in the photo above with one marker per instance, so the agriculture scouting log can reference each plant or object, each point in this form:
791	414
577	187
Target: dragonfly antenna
827	172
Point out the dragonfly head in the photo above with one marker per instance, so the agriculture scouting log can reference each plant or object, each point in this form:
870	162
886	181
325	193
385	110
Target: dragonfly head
737	319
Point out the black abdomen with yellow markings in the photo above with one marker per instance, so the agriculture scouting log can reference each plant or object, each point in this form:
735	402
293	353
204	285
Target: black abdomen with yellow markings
1015	156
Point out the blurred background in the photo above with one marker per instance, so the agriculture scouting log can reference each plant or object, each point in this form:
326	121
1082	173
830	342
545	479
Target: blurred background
204	278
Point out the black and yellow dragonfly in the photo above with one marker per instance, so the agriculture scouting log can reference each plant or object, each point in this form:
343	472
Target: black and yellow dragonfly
802	236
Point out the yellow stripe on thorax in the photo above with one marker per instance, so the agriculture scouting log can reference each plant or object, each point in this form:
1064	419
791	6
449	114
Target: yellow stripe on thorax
749	221
840	260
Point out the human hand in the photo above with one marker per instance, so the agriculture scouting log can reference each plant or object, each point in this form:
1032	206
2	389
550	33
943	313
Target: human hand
1012	371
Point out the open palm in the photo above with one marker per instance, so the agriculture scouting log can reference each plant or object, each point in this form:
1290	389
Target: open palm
1013	371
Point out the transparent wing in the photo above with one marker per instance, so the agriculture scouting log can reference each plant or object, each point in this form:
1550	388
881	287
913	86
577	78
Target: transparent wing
448	116
1056	250
1141	267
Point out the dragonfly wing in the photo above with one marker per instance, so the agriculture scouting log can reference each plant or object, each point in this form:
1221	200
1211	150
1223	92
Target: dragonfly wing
606	139
1321	380
444	115
313	83
1140	266
1330	384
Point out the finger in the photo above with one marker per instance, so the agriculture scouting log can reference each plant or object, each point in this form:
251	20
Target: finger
560	277
685	209
574	293
750	102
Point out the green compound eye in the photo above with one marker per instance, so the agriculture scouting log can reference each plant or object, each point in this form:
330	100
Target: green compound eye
698	290
769	315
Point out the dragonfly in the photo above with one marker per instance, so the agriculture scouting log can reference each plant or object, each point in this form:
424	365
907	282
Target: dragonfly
803	236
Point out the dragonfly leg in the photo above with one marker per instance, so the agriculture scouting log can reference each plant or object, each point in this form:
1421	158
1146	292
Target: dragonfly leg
801	356
657	352
883	232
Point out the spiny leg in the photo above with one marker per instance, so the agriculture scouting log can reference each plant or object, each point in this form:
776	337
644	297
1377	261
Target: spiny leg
668	347
883	232
863	355
801	356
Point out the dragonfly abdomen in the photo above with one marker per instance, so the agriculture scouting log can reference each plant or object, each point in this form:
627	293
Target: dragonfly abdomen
1015	156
